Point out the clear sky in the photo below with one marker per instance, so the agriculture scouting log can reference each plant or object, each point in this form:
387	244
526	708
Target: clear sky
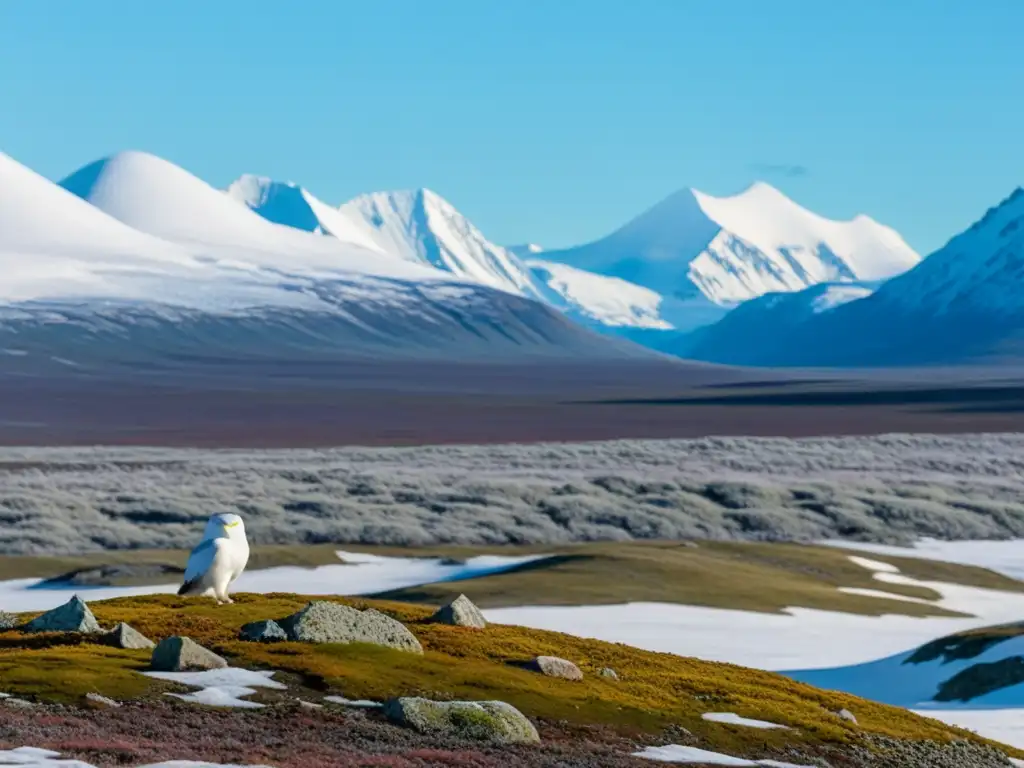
552	121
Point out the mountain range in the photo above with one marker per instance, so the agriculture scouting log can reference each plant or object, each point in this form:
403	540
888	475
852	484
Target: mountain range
135	259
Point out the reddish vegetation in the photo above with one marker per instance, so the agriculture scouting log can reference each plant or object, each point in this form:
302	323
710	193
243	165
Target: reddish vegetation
285	736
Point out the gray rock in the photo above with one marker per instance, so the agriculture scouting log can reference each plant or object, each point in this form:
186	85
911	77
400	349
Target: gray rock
182	654
608	673
460	612
491	721
7	621
552	666
268	631
73	616
101	701
18	703
125	636
847	715
325	622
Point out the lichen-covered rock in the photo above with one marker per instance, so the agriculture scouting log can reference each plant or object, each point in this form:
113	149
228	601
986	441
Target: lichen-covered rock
552	666
460	612
73	616
125	636
268	631
326	622
182	654
7	621
609	674
490	721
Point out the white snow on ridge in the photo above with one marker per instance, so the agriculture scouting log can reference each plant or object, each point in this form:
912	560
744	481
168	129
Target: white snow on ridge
730	249
607	300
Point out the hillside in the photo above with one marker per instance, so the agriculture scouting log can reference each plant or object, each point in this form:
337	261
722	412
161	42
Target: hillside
599	720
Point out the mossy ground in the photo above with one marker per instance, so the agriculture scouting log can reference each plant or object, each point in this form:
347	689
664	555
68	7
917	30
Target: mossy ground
655	690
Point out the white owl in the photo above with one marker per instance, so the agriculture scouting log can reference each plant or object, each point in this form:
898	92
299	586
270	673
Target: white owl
218	560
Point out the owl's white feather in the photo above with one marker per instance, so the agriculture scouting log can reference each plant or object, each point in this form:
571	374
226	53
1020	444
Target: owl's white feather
218	559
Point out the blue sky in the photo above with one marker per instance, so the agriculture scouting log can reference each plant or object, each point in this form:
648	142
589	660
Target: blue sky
545	120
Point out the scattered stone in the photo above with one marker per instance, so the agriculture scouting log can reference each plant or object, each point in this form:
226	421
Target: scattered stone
309	705
552	666
125	636
268	631
608	673
460	612
7	621
491	721
847	715
326	622
182	654
73	616
97	700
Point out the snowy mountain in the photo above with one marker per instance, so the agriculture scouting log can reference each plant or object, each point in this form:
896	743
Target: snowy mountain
962	303
133	259
419	227
526	250
718	252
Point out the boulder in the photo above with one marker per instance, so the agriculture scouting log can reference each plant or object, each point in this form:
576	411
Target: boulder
608	673
325	622
182	654
73	616
490	721
125	636
268	631
552	666
7	621
460	612
847	715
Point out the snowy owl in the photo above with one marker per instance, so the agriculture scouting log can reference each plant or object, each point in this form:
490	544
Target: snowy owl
218	560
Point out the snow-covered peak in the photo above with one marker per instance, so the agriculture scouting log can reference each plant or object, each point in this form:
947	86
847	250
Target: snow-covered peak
766	218
286	203
731	249
422	227
978	270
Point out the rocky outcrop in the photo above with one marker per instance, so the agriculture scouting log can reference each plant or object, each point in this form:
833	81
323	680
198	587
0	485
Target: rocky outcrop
125	636
552	666
460	612
490	721
608	673
268	631
73	616
326	622
181	654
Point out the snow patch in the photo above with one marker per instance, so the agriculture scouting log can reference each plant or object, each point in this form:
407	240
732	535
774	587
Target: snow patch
674	753
731	718
221	687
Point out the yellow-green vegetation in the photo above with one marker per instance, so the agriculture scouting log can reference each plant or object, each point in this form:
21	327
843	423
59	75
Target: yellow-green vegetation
654	690
750	576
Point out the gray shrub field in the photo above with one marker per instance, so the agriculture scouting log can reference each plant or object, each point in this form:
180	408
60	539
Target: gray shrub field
887	489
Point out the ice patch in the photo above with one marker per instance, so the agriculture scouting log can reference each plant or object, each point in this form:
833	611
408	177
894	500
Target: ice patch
674	753
731	718
361	703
